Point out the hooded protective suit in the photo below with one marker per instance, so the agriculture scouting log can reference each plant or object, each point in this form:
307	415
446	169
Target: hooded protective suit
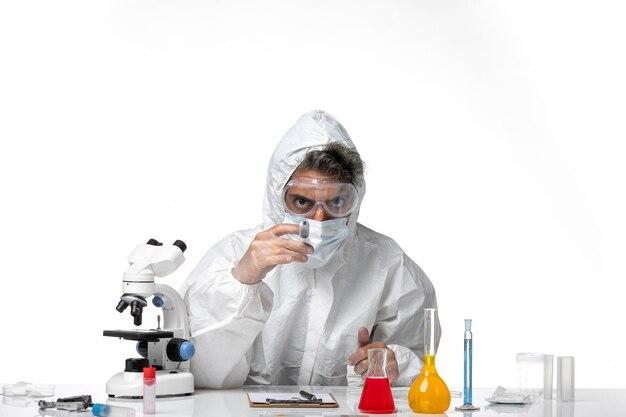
298	326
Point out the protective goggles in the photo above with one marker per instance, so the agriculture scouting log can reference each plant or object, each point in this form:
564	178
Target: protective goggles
303	197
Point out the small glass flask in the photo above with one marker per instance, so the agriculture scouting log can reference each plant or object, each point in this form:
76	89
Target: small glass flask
376	397
429	394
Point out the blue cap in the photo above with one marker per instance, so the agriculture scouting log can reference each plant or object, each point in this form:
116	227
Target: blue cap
187	350
157	301
100	410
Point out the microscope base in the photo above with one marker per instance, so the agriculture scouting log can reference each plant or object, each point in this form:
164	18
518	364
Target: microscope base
130	384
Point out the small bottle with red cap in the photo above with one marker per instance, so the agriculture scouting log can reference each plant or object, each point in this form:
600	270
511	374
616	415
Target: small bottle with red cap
149	390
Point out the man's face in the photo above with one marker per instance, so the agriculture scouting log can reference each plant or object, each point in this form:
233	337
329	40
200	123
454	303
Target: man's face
318	196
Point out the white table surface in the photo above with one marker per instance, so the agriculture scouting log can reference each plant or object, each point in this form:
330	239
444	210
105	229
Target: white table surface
226	403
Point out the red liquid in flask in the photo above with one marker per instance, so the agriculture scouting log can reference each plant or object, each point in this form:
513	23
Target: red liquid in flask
376	397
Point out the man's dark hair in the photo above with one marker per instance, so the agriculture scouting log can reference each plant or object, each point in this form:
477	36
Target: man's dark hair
335	159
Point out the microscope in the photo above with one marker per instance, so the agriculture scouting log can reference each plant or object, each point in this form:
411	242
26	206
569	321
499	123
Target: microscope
168	349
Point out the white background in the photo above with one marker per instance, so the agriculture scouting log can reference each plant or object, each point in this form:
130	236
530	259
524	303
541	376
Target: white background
493	133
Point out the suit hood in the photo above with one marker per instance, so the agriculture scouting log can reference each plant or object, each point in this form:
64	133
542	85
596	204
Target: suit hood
312	131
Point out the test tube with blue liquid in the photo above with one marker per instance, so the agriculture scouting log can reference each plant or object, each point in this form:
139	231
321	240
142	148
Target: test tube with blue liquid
467	369
105	410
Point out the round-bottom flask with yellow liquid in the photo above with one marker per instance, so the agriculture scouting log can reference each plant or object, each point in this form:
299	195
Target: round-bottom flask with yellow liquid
429	394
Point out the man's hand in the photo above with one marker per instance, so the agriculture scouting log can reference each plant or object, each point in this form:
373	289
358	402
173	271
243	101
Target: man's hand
267	250
359	358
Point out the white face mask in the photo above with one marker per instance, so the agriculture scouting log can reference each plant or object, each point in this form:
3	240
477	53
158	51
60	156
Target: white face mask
325	237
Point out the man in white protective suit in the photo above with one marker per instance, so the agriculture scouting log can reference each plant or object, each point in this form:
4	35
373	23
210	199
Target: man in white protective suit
269	307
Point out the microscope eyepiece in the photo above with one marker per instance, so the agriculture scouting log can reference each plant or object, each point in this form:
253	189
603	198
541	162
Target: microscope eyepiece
181	245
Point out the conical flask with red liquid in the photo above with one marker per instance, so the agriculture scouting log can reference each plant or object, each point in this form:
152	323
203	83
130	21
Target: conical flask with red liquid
376	397
429	394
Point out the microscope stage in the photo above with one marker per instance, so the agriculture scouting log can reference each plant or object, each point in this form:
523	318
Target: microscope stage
139	334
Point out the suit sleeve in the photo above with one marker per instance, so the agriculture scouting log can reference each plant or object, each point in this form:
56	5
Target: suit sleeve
225	316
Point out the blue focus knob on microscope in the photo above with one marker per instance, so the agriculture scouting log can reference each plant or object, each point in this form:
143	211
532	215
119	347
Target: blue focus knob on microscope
142	348
157	301
180	350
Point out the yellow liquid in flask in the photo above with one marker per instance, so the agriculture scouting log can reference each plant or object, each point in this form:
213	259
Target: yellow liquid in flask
429	394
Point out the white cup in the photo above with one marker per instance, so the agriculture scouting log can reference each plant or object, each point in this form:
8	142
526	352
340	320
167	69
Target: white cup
531	366
565	370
